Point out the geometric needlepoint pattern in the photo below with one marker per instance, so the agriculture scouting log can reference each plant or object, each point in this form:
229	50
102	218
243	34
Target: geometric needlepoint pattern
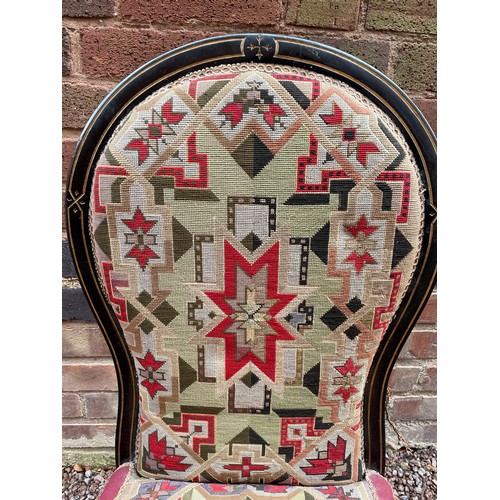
252	155
319	243
255	228
333	318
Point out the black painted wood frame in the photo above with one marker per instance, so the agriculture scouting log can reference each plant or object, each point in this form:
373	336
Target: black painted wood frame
263	48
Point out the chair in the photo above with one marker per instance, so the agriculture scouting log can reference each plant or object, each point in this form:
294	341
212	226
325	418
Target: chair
252	219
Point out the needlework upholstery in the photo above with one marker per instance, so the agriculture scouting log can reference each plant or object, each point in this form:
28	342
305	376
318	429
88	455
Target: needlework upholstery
127	485
133	487
256	227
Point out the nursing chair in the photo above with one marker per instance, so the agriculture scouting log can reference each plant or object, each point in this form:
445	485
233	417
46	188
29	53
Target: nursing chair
252	220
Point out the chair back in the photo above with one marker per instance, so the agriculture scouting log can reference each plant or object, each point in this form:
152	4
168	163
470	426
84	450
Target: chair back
252	219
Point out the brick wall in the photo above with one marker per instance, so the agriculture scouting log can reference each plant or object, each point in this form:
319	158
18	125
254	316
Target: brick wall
104	40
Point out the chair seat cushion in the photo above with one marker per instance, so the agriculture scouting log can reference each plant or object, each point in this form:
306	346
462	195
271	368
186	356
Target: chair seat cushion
125	484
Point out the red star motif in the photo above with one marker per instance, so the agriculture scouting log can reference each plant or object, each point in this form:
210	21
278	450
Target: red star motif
360	232
360	261
150	374
346	392
349	367
141	227
361	226
233	260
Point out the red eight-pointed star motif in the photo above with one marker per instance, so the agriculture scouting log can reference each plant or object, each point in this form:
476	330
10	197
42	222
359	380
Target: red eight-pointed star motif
275	331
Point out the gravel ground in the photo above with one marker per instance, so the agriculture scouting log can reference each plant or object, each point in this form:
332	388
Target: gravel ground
80	483
412	473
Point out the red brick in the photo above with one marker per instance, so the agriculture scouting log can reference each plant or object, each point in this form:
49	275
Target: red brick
423	345
101	405
404	378
413	408
95	377
415	67
81	340
116	52
428	433
71	407
429	110
87	431
405	351
416	434
88	8
338	14
373	52
66	52
68	147
79	102
75	306
410	16
428	380
429	314
209	11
